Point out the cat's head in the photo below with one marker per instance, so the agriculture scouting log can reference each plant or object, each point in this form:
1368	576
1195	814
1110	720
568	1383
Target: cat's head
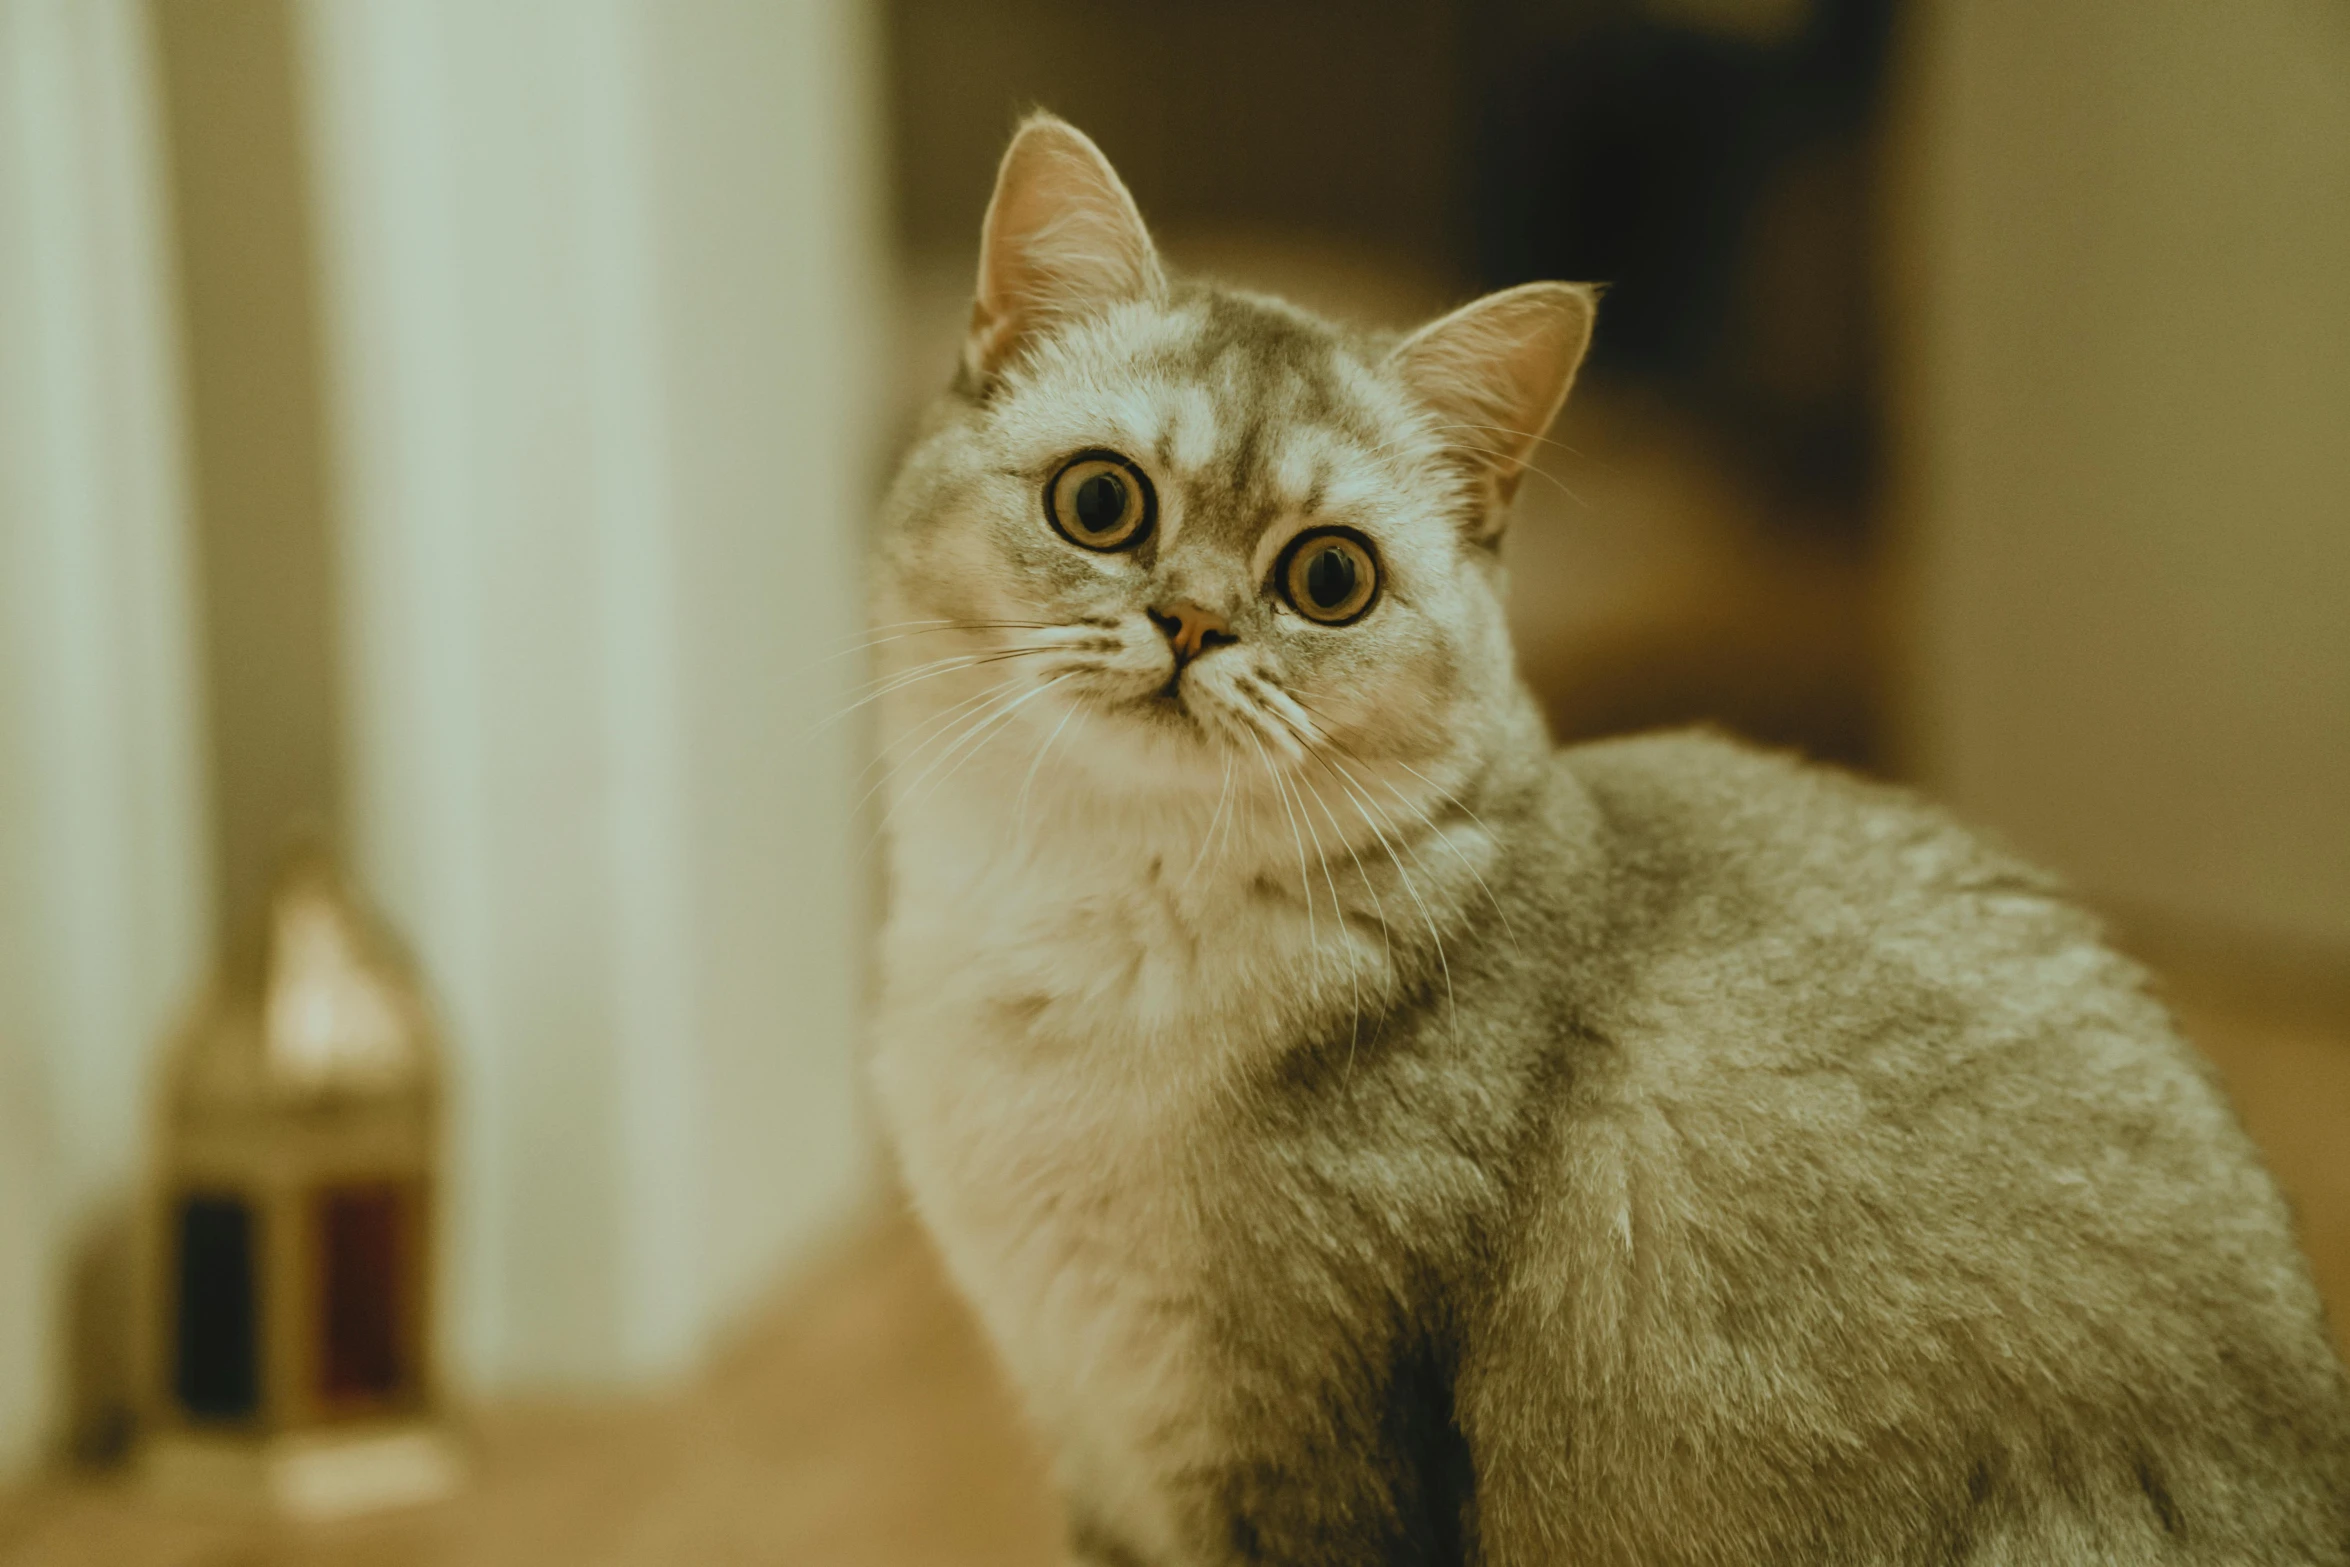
1213	526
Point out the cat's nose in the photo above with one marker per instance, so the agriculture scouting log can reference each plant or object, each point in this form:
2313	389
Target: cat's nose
1191	629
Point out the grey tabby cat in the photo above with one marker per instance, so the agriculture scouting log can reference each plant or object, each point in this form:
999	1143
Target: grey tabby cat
1372	1136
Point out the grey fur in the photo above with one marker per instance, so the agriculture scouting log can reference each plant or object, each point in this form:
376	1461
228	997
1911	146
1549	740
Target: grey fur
1943	1247
1734	1162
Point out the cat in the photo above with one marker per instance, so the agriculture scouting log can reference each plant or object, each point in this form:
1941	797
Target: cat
1369	1135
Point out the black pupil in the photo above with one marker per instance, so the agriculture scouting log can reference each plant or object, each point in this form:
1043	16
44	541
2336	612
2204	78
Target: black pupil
1330	577
1101	503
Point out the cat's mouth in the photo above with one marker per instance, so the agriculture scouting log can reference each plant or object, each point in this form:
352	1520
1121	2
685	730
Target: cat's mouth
1224	708
1169	700
1172	702
1168	703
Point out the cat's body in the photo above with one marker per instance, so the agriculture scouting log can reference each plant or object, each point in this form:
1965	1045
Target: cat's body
1370	1137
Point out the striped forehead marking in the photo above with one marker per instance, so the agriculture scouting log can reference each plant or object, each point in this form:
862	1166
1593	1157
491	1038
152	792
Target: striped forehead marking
1257	417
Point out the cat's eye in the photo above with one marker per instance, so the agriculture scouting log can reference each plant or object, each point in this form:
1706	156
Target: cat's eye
1329	575
1101	501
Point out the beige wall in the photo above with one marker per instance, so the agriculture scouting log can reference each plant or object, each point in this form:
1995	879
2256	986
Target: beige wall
2126	258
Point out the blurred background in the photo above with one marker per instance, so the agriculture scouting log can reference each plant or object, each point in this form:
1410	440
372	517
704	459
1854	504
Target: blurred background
442	430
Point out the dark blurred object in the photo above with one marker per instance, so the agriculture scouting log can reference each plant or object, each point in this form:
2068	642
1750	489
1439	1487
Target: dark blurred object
1651	586
1706	551
292	1248
1712	165
1297	115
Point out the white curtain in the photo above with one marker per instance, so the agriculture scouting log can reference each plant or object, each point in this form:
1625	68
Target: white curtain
603	319
104	890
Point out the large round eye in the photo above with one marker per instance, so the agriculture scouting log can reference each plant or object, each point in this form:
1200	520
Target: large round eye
1101	501
1329	575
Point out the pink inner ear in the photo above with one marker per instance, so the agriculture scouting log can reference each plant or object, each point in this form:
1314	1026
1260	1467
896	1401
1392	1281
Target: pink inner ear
1496	372
1062	237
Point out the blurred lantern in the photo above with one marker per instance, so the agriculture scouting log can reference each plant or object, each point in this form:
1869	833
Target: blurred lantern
292	1246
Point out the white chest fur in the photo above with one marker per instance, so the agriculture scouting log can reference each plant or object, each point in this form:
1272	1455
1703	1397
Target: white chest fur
1056	1048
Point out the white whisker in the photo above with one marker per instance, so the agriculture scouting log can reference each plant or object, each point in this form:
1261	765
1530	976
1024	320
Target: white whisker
987	725
933	629
1223	797
953	664
1304	886
1353	959
1445	838
1020	803
1386	937
919	738
1409	887
961	717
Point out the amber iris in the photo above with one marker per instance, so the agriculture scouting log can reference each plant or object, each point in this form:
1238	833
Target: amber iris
1330	576
1101	501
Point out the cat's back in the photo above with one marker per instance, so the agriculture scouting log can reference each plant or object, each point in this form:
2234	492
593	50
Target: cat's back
1796	916
1873	1165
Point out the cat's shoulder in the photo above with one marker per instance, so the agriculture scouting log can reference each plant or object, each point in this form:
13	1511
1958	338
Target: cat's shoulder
1698	796
1716	847
1709	766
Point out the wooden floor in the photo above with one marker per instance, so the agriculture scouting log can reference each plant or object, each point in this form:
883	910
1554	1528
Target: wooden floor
861	1424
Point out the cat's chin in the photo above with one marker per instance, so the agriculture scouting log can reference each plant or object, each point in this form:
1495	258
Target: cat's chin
1163	704
1167	716
1167	705
1180	719
1187	713
1171	735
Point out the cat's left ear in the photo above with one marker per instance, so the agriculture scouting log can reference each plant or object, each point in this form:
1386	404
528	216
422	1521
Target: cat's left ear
1062	238
1495	374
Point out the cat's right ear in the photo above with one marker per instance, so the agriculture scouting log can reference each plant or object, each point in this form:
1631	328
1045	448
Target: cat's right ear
1062	238
1494	374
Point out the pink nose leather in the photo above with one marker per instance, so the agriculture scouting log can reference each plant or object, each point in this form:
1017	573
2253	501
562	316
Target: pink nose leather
1191	630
